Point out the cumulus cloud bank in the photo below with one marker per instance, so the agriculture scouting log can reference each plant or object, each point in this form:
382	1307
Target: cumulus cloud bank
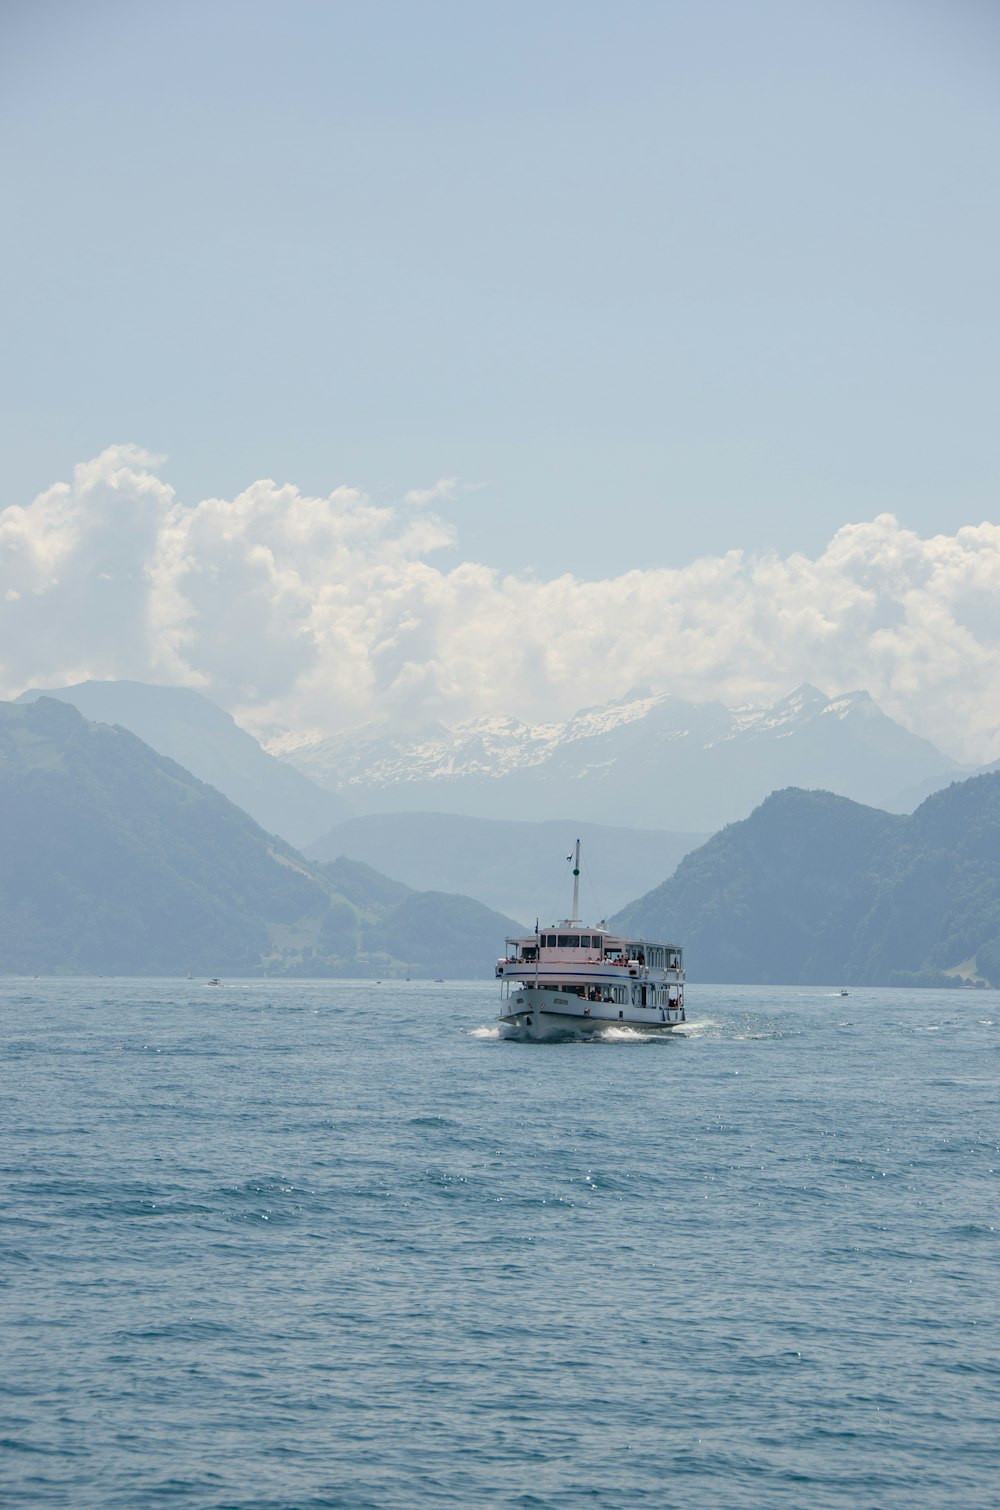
318	613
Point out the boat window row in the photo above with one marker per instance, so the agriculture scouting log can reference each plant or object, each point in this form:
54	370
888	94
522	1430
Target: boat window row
662	958
639	996
616	994
572	941
654	955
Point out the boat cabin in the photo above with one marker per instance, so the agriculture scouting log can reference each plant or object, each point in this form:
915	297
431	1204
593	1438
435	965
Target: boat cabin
561	942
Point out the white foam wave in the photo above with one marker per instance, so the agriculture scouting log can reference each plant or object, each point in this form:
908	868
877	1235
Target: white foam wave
485	1032
623	1035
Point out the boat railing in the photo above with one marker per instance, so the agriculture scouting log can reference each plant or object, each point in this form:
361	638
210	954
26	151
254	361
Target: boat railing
549	959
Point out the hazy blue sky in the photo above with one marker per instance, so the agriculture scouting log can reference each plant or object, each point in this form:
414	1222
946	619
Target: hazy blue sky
653	280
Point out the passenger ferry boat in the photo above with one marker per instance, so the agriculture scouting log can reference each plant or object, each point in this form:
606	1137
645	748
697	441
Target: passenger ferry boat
572	980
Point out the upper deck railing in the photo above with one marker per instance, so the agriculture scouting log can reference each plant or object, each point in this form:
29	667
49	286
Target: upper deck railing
592	952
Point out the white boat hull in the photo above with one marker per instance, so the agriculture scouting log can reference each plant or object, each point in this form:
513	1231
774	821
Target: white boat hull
543	1015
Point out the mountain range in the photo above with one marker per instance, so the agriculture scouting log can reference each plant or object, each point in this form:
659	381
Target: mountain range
116	860
646	762
649	764
206	741
812	888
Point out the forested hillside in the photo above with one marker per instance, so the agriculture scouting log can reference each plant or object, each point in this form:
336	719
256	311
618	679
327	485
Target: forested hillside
187	727
116	860
435	932
814	888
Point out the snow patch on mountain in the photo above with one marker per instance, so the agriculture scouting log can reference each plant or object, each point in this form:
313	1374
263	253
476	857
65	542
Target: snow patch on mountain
651	750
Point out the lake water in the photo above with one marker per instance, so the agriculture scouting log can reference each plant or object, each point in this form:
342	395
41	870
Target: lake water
336	1244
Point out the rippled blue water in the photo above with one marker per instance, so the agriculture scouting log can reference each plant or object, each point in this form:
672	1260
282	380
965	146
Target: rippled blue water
335	1244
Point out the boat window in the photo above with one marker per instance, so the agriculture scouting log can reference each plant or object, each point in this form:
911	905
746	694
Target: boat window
568	941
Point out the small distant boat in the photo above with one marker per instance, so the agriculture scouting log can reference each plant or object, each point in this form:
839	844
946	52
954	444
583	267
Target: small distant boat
844	991
215	981
574	979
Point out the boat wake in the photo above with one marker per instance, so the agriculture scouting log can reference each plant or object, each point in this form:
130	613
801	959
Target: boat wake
624	1035
511	1033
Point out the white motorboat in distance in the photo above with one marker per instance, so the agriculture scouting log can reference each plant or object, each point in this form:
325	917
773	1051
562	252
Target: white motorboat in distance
572	980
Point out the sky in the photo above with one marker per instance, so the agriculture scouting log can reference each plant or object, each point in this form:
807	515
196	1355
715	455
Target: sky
423	360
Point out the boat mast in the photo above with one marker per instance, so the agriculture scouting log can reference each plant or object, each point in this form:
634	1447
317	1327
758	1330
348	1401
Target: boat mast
575	919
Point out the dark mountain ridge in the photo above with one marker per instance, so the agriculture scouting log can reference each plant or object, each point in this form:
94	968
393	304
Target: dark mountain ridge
201	737
815	889
116	860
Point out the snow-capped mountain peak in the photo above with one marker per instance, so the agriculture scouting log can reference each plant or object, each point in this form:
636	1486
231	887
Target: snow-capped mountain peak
650	760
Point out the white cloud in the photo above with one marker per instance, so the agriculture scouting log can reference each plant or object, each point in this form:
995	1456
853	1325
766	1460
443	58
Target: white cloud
445	488
324	612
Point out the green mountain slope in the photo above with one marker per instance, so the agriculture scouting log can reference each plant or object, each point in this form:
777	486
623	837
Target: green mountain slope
366	887
437	933
187	727
816	889
412	931
116	860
